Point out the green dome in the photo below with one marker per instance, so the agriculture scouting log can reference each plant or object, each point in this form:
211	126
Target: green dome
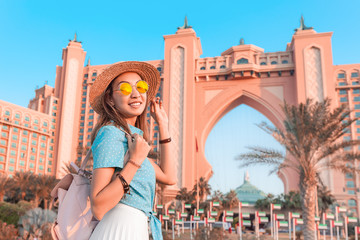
248	192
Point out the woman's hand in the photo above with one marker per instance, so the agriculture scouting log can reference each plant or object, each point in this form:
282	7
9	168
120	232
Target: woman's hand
157	111
138	148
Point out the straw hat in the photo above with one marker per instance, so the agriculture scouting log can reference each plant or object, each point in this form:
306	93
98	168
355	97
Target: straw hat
146	71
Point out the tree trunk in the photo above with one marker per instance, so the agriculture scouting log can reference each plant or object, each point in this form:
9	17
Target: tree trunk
308	191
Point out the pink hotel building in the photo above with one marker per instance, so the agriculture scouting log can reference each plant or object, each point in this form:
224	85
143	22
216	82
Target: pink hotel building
197	92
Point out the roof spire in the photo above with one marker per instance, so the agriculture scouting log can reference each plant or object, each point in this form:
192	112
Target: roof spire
247	177
185	26
75	39
88	63
302	25
242	42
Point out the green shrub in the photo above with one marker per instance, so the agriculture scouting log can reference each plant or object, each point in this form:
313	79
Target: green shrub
10	213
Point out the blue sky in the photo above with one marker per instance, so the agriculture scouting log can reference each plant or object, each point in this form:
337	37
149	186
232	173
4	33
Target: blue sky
33	34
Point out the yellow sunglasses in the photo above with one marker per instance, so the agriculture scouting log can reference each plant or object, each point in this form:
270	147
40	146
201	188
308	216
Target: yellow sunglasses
126	88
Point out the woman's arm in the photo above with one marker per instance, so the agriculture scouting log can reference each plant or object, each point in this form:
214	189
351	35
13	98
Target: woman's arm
166	173
106	189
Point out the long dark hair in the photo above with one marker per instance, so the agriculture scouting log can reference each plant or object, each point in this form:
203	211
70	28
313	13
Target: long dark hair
109	112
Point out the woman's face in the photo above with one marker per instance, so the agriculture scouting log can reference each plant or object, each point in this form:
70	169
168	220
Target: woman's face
131	105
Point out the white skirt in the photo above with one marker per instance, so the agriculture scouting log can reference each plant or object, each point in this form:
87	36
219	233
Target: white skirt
122	223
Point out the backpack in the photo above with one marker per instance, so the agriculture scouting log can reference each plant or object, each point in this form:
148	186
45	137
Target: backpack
75	220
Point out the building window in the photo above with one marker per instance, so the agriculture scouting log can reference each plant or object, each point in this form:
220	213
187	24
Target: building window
86	75
355	75
82	111
12	153
12	160
263	63
51	148
89	129
351	203
41	167
81	137
2	159
3	142
83	105
4	134
22	163
349	175
33	142
27	119
342	83
84	99
55	101
285	62
49	169
17	116
357	114
15	129
13	145
52	126
81	130
50	155
273	62
5	127
31	165
84	94
222	67
91	117
343	99
7	113
24	140
34	135
33	150
356	91
242	61
53	120
355	83
14	137
342	92
341	75
350	184
50	163
11	168
25	132
94	74
91	111
23	147
54	114
212	67
36	121
356	99
90	123
202	68
351	192
2	150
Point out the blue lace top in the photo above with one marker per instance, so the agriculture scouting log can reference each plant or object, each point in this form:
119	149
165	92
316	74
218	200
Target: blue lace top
109	148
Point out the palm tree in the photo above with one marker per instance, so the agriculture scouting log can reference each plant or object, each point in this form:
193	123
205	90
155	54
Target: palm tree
291	201
325	199
20	184
230	200
204	189
3	185
185	196
312	136
42	187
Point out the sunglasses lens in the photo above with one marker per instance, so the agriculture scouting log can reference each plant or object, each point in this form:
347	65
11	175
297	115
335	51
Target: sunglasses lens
142	87
125	88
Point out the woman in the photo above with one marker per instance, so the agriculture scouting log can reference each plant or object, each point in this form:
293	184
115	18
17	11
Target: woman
123	187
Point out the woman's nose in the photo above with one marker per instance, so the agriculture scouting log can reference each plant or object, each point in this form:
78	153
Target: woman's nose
135	93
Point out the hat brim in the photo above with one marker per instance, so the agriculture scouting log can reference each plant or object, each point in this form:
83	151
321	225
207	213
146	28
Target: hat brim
146	71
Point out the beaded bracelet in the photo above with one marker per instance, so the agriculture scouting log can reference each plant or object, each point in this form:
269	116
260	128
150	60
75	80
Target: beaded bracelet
165	140
124	183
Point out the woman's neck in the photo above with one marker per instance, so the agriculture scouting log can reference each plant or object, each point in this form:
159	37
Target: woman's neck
131	121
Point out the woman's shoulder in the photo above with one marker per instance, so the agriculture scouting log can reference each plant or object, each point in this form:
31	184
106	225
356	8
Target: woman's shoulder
109	132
